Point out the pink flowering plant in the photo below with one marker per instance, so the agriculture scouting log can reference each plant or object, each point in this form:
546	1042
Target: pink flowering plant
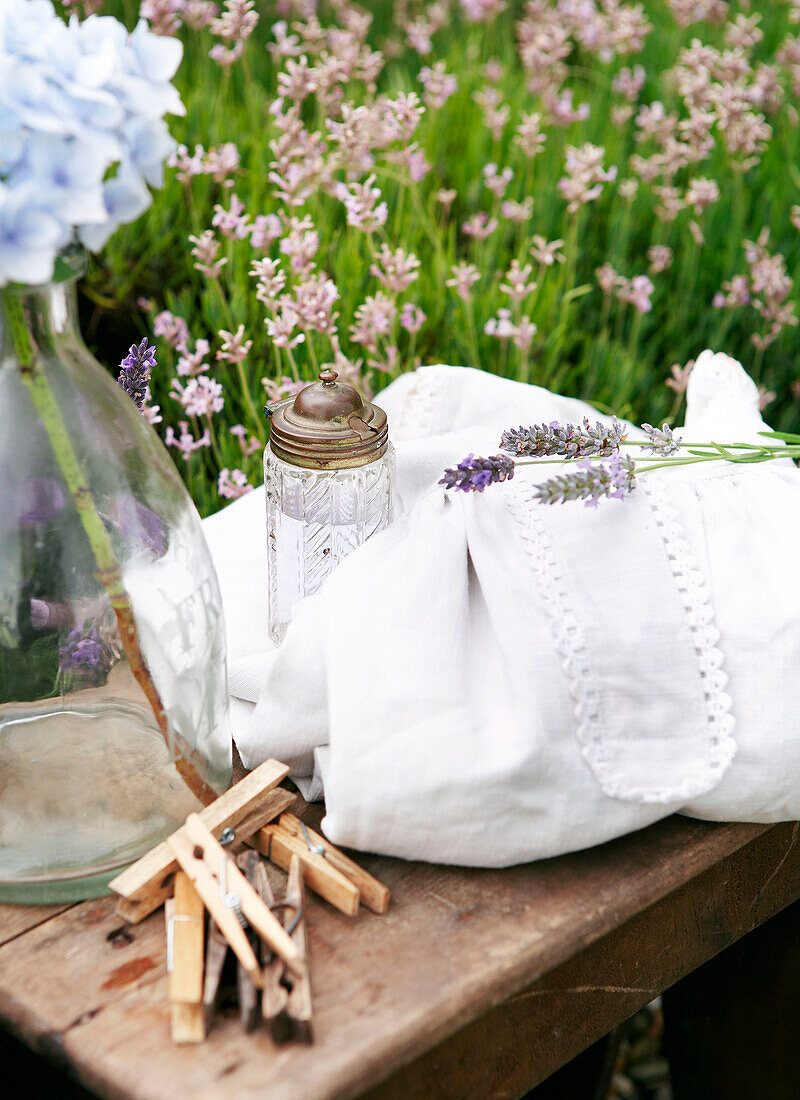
576	193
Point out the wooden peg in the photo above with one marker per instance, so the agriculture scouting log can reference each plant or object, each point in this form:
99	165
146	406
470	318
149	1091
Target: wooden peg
249	1003
319	873
197	861
299	1006
216	954
244	808
373	893
185	919
274	994
216	876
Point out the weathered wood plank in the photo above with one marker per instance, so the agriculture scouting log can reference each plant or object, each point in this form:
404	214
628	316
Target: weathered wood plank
455	944
519	1044
17	919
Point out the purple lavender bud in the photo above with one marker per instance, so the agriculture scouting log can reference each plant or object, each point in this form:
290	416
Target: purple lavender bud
568	440
84	648
662	441
136	370
590	482
473	475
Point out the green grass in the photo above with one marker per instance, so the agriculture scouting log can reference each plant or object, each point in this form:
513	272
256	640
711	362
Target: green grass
603	352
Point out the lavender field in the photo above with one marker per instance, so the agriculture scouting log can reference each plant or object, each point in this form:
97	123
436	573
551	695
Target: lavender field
582	194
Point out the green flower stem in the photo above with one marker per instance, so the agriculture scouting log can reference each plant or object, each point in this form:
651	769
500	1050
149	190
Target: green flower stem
757	454
722	446
258	427
293	364
312	355
109	572
214	441
472	334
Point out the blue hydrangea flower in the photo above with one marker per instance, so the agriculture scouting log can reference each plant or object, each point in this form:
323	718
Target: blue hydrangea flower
81	130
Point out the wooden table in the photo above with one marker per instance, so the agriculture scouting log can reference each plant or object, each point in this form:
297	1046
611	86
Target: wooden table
476	984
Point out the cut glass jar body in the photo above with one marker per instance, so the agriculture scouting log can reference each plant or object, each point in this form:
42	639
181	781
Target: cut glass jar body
315	518
90	779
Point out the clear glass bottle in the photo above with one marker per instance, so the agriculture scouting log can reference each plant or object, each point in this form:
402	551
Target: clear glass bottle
329	479
113	688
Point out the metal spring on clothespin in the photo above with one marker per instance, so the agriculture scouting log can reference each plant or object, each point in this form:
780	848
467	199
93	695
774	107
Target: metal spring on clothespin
318	849
228	898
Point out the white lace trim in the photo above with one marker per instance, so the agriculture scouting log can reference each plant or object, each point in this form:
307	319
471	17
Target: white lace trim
693	589
569	638
415	417
584	685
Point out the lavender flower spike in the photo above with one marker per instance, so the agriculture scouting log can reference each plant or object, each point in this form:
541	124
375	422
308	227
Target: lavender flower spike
568	440
473	475
590	482
662	441
136	370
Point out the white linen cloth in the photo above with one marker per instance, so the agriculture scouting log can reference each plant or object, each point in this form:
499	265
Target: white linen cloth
491	680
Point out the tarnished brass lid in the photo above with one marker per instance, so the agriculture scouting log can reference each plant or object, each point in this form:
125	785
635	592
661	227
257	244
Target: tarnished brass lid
328	426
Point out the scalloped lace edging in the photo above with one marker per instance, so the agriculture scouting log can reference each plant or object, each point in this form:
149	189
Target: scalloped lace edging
694	592
584	686
567	633
416	416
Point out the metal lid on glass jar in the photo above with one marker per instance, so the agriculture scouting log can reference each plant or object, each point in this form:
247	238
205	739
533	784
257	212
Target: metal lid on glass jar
328	426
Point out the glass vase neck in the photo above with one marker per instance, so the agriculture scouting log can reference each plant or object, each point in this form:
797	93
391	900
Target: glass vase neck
49	310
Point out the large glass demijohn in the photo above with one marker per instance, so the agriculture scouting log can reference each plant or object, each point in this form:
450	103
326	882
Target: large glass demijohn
113	693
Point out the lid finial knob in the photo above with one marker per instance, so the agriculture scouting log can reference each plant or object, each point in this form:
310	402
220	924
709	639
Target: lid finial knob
327	377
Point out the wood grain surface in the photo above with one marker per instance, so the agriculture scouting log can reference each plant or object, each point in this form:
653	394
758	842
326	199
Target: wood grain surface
455	945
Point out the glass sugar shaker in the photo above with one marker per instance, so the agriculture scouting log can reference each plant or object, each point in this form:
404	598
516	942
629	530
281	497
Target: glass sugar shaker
329	478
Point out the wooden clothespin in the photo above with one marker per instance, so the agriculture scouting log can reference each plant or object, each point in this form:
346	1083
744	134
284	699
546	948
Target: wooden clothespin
320	875
326	870
299	1007
287	997
250	865
275	993
230	899
373	893
185	923
238	813
216	954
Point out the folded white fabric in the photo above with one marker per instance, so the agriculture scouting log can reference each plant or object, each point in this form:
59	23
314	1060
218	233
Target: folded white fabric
521	680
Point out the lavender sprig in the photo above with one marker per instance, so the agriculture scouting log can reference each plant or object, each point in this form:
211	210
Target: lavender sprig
473	475
614	478
662	441
590	482
566	440
136	370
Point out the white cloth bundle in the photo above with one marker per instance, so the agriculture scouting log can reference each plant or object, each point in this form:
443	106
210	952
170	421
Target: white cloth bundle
492	680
